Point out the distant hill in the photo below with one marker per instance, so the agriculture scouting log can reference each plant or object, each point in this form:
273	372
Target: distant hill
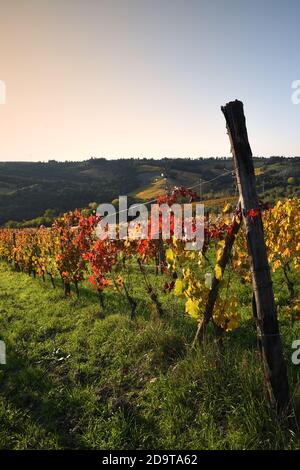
27	190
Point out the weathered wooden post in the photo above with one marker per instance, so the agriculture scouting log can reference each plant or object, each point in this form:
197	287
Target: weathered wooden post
267	324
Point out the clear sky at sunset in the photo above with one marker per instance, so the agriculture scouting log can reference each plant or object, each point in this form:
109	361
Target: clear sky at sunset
134	78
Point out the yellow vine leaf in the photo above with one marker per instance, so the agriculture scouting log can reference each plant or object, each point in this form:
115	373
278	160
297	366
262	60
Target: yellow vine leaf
178	288
218	272
170	255
227	208
192	308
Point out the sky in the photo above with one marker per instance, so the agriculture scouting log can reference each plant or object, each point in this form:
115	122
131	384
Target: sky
146	78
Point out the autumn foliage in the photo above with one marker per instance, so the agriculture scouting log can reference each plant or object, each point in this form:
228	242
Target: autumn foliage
71	251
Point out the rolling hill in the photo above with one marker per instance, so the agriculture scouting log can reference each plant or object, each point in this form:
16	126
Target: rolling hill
28	189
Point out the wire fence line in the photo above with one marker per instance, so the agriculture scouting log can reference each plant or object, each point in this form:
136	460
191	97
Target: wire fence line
189	187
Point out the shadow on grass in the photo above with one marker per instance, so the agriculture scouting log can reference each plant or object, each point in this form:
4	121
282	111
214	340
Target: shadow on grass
31	389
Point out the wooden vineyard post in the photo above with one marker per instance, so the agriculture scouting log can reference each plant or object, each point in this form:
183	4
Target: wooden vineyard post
213	293
267	325
161	256
14	254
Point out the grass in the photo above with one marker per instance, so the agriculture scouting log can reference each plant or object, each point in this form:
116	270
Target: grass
153	190
76	380
156	185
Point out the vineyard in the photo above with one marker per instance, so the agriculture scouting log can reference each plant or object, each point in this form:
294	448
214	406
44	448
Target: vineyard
157	296
138	342
71	252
